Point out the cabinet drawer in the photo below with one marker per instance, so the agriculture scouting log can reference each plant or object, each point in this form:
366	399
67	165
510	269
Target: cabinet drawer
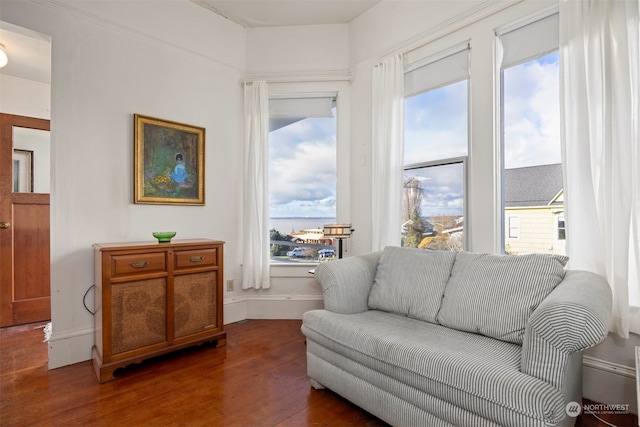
124	265
196	258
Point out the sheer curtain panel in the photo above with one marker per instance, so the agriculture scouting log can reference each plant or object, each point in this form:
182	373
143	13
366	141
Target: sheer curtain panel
599	73
255	241
388	152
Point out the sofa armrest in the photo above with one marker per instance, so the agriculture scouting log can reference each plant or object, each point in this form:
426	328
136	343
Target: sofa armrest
346	282
576	315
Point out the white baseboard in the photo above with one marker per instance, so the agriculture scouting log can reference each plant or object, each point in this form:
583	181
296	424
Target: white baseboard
234	310
608	382
270	307
69	347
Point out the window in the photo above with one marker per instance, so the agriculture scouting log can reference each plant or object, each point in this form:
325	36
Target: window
436	140
514	227
302	176
532	168
561	229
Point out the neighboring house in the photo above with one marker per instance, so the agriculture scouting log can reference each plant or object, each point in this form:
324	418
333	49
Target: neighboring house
458	228
428	227
534	210
314	236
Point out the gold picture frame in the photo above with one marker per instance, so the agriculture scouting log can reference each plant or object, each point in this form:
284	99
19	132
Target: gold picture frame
168	162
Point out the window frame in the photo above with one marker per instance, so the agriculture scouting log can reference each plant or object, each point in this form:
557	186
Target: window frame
464	160
340	91
526	25
415	61
514	227
561	229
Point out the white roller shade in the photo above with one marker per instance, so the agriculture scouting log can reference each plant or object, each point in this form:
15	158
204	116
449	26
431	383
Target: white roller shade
530	41
300	107
285	111
441	72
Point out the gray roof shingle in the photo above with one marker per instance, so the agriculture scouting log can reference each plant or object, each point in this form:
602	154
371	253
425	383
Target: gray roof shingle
532	185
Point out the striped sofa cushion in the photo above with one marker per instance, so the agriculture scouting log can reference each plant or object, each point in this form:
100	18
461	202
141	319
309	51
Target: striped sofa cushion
477	374
411	282
494	295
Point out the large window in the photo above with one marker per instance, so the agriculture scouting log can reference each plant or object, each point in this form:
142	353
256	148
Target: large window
302	177
532	168
436	140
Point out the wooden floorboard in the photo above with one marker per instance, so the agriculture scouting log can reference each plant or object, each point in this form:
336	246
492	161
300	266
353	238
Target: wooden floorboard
258	379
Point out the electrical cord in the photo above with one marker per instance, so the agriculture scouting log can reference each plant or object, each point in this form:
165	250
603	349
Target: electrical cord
600	419
84	300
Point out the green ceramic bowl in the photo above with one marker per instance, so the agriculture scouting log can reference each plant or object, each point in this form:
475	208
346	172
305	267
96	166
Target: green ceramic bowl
164	236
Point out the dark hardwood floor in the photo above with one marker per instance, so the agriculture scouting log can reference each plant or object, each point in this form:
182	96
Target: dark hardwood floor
258	379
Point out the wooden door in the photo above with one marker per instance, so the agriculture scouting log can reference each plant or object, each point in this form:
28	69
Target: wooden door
24	221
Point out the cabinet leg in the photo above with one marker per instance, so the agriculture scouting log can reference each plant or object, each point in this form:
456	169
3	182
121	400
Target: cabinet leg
103	374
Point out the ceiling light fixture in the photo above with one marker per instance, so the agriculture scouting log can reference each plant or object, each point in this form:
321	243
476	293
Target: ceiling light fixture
3	56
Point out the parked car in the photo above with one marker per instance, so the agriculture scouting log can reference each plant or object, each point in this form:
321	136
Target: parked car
297	252
326	254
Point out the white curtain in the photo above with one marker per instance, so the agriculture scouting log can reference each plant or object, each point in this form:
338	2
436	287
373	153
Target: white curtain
599	66
388	152
255	247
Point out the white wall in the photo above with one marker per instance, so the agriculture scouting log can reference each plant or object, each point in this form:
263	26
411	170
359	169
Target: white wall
103	73
310	51
25	97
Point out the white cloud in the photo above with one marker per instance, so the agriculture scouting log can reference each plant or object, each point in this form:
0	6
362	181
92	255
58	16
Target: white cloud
302	176
532	114
442	188
436	124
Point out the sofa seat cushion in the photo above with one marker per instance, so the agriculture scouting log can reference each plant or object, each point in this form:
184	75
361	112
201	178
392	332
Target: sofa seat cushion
474	372
494	295
411	282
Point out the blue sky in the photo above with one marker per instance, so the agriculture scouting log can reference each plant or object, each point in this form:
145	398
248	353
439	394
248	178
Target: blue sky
303	155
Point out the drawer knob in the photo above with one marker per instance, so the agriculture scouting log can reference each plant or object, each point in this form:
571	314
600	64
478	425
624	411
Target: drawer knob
140	264
196	258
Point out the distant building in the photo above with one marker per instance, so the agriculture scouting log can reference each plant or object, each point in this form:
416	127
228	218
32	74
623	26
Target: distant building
458	228
534	210
313	236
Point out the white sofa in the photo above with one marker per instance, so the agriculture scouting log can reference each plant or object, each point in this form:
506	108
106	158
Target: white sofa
430	338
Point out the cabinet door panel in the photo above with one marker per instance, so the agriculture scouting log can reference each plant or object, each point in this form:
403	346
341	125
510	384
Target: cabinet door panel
194	303
138	313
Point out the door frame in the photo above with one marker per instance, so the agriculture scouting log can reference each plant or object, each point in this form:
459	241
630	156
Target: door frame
7	306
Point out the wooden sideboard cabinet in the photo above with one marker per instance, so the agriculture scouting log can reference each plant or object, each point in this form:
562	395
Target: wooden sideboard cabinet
154	298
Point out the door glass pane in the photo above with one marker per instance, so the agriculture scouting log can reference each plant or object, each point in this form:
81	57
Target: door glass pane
31	160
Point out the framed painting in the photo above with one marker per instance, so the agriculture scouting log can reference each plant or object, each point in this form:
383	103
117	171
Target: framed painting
22	171
169	162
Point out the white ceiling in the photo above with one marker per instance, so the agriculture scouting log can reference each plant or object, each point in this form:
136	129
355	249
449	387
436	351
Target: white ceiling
29	53
276	13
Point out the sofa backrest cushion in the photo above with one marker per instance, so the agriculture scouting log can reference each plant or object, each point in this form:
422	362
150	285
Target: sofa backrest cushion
411	282
494	295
